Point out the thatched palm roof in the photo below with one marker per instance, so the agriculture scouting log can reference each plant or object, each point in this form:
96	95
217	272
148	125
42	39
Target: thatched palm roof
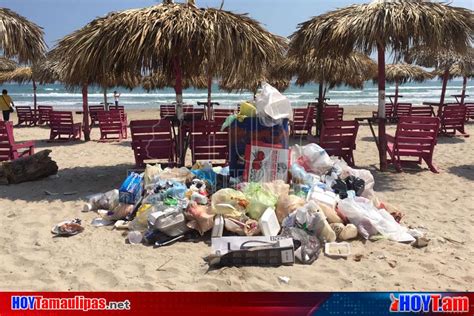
19	74
20	38
352	70
455	71
7	64
402	73
152	40
160	81
396	24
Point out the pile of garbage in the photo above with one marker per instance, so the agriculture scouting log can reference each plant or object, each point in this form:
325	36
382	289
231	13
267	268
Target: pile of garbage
323	204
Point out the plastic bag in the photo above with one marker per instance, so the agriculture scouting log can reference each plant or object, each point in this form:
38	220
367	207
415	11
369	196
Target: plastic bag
104	201
277	187
312	158
299	175
247	109
178	174
363	174
259	200
286	204
242	227
355	184
362	213
272	106
151	174
229	202
340	188
140	222
199	218
307	247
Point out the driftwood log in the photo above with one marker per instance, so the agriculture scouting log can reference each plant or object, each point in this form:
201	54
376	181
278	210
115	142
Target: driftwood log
29	168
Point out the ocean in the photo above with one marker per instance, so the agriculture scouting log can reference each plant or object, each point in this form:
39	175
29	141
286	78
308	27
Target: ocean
57	96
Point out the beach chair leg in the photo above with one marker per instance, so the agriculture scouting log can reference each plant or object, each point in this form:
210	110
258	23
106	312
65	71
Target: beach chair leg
431	166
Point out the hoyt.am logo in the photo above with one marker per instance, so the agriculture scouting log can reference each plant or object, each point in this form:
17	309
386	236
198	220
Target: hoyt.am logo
435	303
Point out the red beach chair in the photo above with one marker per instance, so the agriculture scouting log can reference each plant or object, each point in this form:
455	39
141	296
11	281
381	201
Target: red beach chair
43	114
25	116
303	121
332	113
425	111
112	123
209	143
338	138
415	137
388	112
402	109
62	123
152	141
219	115
94	113
469	111
9	150
453	118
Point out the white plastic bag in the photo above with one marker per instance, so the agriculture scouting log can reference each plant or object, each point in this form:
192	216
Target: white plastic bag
362	213
312	158
272	106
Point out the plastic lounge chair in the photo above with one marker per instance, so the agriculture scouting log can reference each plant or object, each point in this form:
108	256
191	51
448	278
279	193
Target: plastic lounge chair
9	150
43	114
402	109
424	111
303	121
388	112
152	140
209	143
338	138
415	137
62	124
94	113
25	116
167	110
111	125
453	118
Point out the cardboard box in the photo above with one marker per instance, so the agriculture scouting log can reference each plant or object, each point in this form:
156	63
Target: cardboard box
266	163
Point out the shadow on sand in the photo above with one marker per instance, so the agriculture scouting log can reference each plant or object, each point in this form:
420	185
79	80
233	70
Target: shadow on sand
464	171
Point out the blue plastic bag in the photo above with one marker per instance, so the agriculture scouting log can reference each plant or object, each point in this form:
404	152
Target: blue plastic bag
131	189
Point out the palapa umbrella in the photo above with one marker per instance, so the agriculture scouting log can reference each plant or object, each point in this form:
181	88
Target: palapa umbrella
352	70
403	73
170	38
7	64
20	74
448	64
20	38
382	25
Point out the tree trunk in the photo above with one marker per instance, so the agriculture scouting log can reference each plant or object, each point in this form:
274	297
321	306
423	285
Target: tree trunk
381	108
29	168
85	115
464	86
319	109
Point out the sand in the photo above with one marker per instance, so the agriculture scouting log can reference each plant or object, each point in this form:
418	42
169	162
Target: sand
100	259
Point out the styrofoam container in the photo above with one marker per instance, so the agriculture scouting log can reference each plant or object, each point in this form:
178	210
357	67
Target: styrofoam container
172	223
268	223
218	228
337	249
327	198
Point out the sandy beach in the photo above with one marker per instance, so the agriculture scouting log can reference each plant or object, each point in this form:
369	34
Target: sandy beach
100	259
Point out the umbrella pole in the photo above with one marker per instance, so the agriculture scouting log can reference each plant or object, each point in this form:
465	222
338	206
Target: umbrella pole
34	95
381	108
178	88
319	110
396	94
443	90
463	93
209	91
85	115
106	104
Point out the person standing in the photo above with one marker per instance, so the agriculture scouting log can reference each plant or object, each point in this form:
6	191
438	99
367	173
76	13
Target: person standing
116	98
6	105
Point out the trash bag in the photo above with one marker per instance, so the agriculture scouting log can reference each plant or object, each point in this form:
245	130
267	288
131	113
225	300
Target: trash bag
307	247
229	202
243	227
259	200
286	204
177	174
340	188
104	201
199	218
277	187
312	158
247	109
300	176
363	174
140	222
272	106
370	220
355	184
206	174
151	174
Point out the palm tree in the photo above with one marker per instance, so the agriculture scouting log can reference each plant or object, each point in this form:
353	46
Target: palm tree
385	25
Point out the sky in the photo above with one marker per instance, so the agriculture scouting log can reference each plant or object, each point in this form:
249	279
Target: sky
61	17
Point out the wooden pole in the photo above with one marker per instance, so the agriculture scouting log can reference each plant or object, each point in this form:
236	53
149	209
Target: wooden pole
178	88
209	101
34	95
443	90
464	86
106	104
85	114
319	110
381	107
